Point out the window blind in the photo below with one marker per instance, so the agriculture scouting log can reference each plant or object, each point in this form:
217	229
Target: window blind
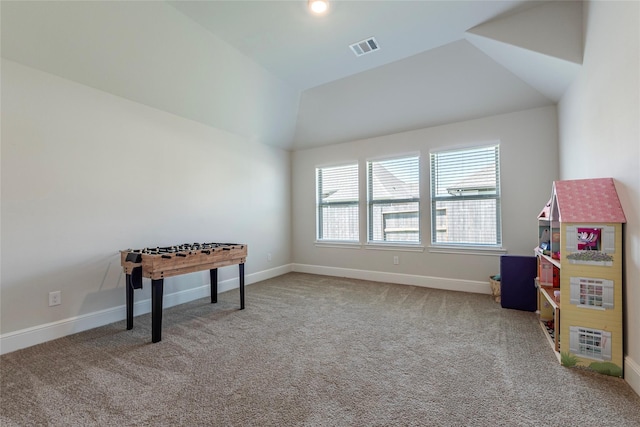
465	196
337	203
394	200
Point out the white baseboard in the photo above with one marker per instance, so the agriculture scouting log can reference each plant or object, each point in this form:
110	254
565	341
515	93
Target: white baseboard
28	337
472	286
632	374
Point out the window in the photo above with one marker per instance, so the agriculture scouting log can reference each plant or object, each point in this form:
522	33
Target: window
393	200
465	197
337	203
591	245
590	343
591	292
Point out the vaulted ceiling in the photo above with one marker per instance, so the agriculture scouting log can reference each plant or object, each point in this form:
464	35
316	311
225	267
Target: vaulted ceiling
439	61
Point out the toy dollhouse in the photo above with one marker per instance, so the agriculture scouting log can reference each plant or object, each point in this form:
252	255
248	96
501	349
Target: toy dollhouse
580	274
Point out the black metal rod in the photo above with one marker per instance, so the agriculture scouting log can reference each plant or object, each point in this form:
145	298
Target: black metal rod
129	294
157	286
214	285
241	266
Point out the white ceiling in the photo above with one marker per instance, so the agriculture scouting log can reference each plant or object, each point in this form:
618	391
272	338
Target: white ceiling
430	69
439	61
306	50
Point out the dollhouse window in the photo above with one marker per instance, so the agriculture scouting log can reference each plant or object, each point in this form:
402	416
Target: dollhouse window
590	343
591	293
590	238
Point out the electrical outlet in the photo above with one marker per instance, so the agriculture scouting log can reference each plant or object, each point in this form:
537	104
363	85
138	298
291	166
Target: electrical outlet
396	260
55	298
269	256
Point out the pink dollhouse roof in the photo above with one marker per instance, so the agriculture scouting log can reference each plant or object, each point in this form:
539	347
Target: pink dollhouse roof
545	213
588	200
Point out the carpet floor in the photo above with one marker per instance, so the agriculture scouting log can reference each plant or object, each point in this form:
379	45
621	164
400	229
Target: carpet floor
313	351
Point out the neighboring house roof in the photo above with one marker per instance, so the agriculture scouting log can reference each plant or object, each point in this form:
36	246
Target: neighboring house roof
483	181
588	201
388	186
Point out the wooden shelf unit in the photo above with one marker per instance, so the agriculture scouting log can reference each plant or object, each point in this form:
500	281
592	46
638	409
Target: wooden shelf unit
541	254
552	310
579	256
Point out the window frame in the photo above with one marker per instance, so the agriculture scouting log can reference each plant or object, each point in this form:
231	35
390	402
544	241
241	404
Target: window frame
320	204
465	247
371	202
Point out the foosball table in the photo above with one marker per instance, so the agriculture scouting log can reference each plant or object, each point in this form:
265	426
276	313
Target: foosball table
158	263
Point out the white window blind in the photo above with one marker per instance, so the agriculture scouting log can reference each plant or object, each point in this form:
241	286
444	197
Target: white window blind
465	197
394	200
337	203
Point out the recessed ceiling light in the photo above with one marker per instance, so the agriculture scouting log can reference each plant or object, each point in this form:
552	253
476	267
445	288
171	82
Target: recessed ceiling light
319	7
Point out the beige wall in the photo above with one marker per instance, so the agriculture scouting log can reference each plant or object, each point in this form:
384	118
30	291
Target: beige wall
599	135
528	141
149	52
86	173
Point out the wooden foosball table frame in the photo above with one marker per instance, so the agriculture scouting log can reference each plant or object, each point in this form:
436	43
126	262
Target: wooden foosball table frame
159	263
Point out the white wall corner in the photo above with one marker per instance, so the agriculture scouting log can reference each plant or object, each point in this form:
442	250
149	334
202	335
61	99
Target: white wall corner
548	57
560	36
632	374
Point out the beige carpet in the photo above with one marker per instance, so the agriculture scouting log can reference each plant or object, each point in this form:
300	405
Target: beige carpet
313	351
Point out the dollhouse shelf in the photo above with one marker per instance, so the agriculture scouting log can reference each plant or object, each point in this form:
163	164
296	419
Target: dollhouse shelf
547	292
541	254
580	229
551	339
551	313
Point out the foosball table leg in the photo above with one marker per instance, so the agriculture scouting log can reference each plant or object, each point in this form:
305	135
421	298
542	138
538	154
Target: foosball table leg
214	285
157	286
129	290
241	266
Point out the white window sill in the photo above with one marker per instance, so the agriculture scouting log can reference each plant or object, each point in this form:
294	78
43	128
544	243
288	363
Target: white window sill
467	250
402	247
337	244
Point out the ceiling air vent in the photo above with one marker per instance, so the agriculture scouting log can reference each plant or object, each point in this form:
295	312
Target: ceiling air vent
365	46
